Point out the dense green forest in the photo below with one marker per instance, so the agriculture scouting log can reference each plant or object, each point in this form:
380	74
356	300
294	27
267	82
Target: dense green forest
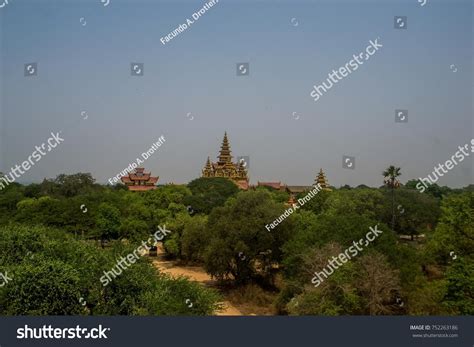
57	238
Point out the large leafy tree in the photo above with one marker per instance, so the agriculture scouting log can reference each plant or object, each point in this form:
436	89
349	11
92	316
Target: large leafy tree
108	222
455	230
240	243
415	213
71	185
68	185
362	201
195	238
316	232
162	197
10	196
208	193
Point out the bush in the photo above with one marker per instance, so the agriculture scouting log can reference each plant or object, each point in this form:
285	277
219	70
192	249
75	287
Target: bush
60	276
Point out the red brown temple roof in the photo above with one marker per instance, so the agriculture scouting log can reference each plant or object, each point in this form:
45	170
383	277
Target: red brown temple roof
153	180
126	179
275	185
140	180
143	177
244	185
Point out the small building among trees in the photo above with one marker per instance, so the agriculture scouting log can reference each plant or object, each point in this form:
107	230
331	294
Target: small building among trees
139	180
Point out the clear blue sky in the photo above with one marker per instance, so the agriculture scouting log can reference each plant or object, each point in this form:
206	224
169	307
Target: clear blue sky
87	68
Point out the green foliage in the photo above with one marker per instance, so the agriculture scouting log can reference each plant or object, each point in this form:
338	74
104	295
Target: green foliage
134	229
47	287
277	195
66	185
426	298
455	231
195	238
71	185
181	297
460	287
415	213
364	285
177	224
162	197
311	232
108	221
10	196
317	203
51	272
172	246
240	239
208	193
365	202
212	223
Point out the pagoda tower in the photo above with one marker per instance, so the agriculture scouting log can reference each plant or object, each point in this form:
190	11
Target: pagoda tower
321	179
207	171
224	155
224	167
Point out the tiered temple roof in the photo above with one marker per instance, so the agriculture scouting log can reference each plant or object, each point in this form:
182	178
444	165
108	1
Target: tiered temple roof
224	167
140	180
321	179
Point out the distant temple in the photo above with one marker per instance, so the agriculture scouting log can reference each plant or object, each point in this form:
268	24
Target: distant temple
321	179
140	180
226	168
294	190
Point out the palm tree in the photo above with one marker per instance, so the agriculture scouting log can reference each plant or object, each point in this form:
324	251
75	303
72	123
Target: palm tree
390	175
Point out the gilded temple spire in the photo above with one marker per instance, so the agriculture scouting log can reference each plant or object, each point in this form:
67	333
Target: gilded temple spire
321	179
207	171
225	153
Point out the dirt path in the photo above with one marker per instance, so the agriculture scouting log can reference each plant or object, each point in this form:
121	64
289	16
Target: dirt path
197	274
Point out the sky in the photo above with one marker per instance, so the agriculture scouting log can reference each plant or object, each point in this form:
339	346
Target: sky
190	92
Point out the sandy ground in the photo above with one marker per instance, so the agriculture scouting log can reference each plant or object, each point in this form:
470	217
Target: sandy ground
197	274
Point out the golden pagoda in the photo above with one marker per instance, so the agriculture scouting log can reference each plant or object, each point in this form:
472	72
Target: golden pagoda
322	181
226	168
